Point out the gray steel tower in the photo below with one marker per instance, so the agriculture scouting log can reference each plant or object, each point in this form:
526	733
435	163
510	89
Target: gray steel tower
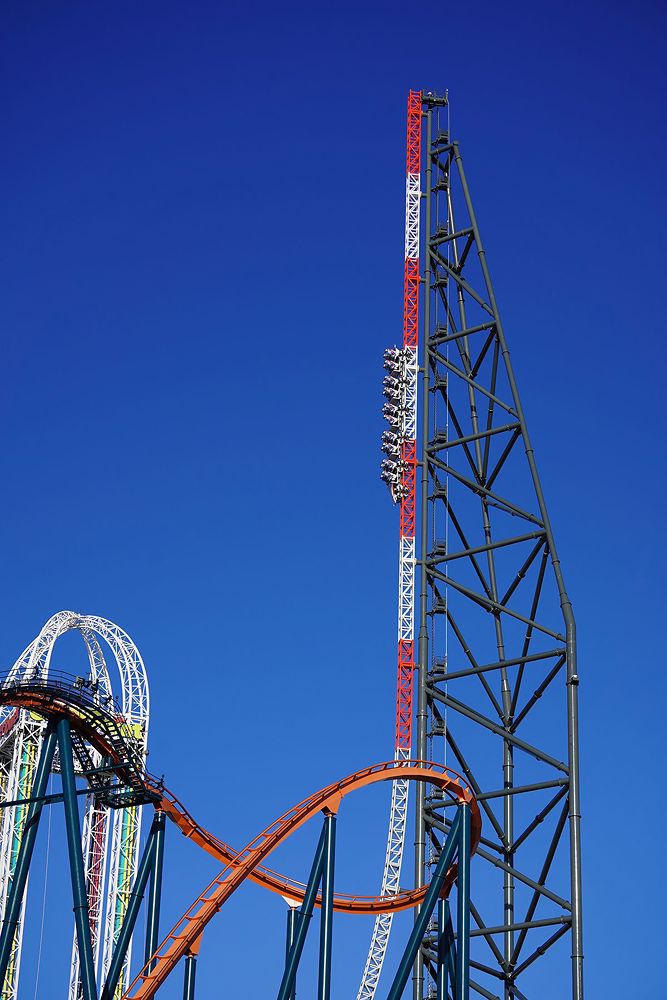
497	671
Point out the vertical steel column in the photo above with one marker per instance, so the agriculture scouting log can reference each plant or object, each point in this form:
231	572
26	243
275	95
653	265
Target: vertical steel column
189	977
306	912
422	639
79	895
17	888
463	908
575	807
426	909
146	867
155	890
292	918
444	946
326	912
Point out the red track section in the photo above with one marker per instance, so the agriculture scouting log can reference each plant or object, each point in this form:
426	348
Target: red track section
414	131
411	302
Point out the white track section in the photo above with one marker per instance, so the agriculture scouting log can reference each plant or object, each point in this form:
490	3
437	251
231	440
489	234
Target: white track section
22	742
412	203
406	614
411	372
406	588
398	815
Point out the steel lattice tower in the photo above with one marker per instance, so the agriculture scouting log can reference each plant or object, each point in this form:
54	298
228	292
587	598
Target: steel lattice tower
496	672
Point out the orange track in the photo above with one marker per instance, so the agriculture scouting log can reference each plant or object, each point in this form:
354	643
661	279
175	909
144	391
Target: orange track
185	936
283	885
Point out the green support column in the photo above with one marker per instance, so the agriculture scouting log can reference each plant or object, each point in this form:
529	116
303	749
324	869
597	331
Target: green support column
79	895
189	978
306	912
292	918
446	951
326	925
146	866
449	848
155	891
463	905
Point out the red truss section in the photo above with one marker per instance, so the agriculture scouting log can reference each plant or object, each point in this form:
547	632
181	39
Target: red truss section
96	869
408	482
414	131
411	302
406	664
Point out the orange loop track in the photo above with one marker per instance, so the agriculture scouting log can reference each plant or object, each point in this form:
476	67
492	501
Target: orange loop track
93	723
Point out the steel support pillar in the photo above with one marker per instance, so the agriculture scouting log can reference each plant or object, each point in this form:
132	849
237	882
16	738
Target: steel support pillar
463	908
292	918
449	848
305	913
446	952
326	925
155	890
189	977
77	874
18	883
144	871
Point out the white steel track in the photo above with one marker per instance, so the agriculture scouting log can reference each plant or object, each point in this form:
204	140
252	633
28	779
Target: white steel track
110	846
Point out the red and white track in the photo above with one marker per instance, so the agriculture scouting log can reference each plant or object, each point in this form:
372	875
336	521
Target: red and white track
399	470
401	443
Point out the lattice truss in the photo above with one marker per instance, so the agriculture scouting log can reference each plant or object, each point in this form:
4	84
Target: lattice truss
110	837
494	636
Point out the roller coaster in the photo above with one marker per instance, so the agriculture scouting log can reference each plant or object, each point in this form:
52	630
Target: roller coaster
479	582
93	740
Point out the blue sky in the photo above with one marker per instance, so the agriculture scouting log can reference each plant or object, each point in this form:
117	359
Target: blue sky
202	262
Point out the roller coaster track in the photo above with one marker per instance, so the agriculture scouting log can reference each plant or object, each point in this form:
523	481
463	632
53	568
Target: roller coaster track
111	836
283	885
101	729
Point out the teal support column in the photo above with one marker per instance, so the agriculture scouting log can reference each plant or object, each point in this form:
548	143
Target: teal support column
136	896
463	904
326	925
189	978
449	848
155	890
292	918
79	894
18	883
446	951
306	912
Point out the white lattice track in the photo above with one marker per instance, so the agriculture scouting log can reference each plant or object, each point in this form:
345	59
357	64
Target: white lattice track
110	855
